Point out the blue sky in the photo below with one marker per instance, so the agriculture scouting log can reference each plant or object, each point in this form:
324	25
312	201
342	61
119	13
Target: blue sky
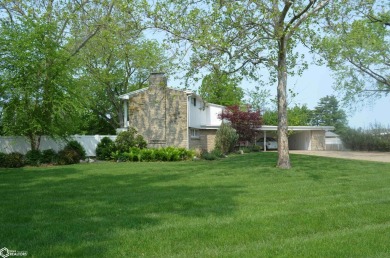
317	82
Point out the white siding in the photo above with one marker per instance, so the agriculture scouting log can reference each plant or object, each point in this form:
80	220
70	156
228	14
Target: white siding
203	116
197	113
213	112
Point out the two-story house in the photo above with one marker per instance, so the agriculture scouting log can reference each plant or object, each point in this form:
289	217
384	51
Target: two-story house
170	117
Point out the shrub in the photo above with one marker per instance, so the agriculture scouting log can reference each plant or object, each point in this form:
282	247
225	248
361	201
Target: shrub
376	138
186	154
128	139
49	156
71	154
68	156
3	160
78	148
212	155
104	149
148	154
208	155
136	154
226	138
33	157
140	142
14	160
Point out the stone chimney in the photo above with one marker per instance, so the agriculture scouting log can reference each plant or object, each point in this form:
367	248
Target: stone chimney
157	80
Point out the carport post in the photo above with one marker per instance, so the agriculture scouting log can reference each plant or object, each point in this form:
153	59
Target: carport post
264	143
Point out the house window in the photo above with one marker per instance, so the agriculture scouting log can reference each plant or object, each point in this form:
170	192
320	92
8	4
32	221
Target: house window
193	101
194	133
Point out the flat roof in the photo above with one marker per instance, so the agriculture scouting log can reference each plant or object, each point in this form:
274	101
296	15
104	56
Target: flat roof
297	128
275	128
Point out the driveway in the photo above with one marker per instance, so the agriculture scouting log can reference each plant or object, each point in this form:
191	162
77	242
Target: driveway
358	155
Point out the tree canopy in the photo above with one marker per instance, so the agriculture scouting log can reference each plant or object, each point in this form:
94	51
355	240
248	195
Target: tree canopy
38	93
64	64
356	48
329	113
298	115
220	88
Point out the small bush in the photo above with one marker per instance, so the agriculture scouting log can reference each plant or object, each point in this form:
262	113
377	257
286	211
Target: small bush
71	154
212	155
148	154
3	160
128	139
33	157
76	146
49	156
68	156
14	160
226	138
104	149
208	156
140	142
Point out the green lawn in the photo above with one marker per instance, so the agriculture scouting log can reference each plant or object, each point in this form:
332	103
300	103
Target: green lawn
241	206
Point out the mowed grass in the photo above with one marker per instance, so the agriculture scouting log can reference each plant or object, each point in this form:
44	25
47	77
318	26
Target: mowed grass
241	206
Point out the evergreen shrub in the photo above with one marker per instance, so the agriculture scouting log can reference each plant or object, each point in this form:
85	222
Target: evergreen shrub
104	149
226	138
33	157
49	156
3	160
14	160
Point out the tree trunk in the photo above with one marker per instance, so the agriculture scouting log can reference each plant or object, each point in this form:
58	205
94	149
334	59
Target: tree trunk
283	149
35	141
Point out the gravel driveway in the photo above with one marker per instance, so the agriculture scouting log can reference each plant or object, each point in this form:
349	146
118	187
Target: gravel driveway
358	155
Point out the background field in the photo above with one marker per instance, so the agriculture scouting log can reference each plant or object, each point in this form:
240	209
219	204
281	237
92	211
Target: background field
241	206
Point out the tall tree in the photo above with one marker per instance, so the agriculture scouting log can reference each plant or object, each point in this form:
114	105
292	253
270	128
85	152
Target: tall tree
37	63
113	66
357	49
221	88
244	36
297	116
117	61
329	113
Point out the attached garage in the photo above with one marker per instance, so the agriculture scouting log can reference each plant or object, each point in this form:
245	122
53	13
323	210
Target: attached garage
301	137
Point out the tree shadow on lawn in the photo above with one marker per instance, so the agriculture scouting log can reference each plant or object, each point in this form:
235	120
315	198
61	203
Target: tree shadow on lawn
76	214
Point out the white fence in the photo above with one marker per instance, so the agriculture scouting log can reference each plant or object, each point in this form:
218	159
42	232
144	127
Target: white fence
334	144
21	144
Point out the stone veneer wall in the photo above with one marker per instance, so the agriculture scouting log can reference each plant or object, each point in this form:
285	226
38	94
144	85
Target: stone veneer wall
206	140
159	114
318	140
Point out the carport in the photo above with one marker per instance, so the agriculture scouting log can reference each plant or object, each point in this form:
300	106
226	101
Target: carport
300	137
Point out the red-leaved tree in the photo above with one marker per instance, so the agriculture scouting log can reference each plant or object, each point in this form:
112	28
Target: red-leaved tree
245	122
